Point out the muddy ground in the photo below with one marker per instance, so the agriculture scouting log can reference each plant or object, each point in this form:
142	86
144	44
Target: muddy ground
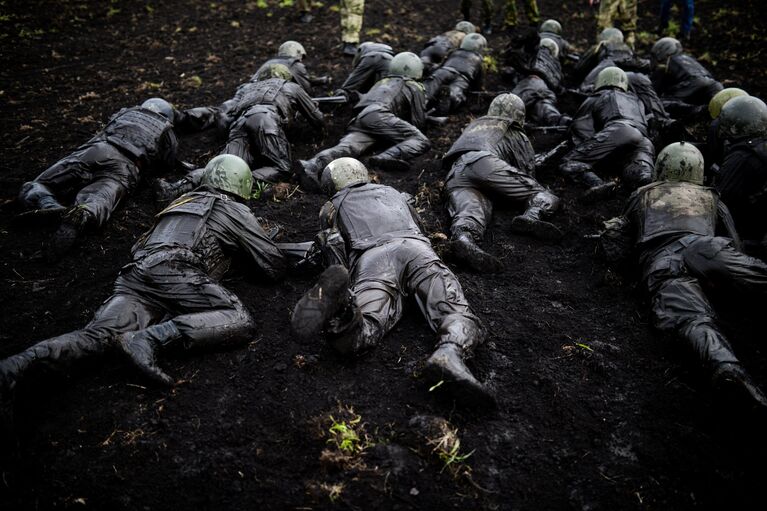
596	410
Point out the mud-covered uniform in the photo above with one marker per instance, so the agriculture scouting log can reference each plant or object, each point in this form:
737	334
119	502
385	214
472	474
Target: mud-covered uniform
372	66
439	47
619	124
391	112
173	279
674	225
390	259
742	183
538	89
107	168
492	159
463	70
603	55
683	82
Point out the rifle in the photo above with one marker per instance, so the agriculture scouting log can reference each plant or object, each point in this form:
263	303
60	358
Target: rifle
332	100
543	158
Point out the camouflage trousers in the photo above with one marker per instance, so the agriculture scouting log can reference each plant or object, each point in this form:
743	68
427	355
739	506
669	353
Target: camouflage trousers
623	11
351	20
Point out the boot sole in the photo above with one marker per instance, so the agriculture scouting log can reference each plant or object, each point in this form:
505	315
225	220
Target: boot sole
321	302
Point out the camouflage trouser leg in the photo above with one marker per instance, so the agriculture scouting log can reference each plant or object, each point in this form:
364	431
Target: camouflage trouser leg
351	20
624	11
487	10
531	11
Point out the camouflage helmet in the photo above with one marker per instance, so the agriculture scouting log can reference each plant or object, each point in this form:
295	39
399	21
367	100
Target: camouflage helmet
229	173
680	161
343	172
508	105
551	44
665	48
744	116
274	71
551	26
612	77
611	35
160	106
474	42
291	49
368	47
721	98
467	27
406	64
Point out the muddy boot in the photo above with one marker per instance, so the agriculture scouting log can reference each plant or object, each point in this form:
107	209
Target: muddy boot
166	192
736	389
467	251
531	222
308	174
598	190
446	370
141	348
389	163
325	300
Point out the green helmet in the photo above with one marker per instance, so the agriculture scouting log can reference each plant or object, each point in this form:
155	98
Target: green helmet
551	26
611	35
744	116
612	77
274	71
229	173
291	49
680	161
467	27
406	64
551	44
474	42
721	98
510	106
160	106
343	172
665	48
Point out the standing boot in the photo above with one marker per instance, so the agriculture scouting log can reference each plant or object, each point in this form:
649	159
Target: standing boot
467	251
446	368
141	347
326	300
530	221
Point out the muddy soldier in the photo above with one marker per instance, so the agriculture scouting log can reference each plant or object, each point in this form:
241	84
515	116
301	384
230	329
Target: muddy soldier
623	11
258	115
463	70
494	159
169	295
391	112
672	224
291	55
352	12
610	130
742	177
103	171
435	51
377	236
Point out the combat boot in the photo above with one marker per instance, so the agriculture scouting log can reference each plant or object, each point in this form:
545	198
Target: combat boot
445	369
530	222
328	298
467	251
141	348
389	163
166	192
735	387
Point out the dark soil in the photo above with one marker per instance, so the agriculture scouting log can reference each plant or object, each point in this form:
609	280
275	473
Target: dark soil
596	409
